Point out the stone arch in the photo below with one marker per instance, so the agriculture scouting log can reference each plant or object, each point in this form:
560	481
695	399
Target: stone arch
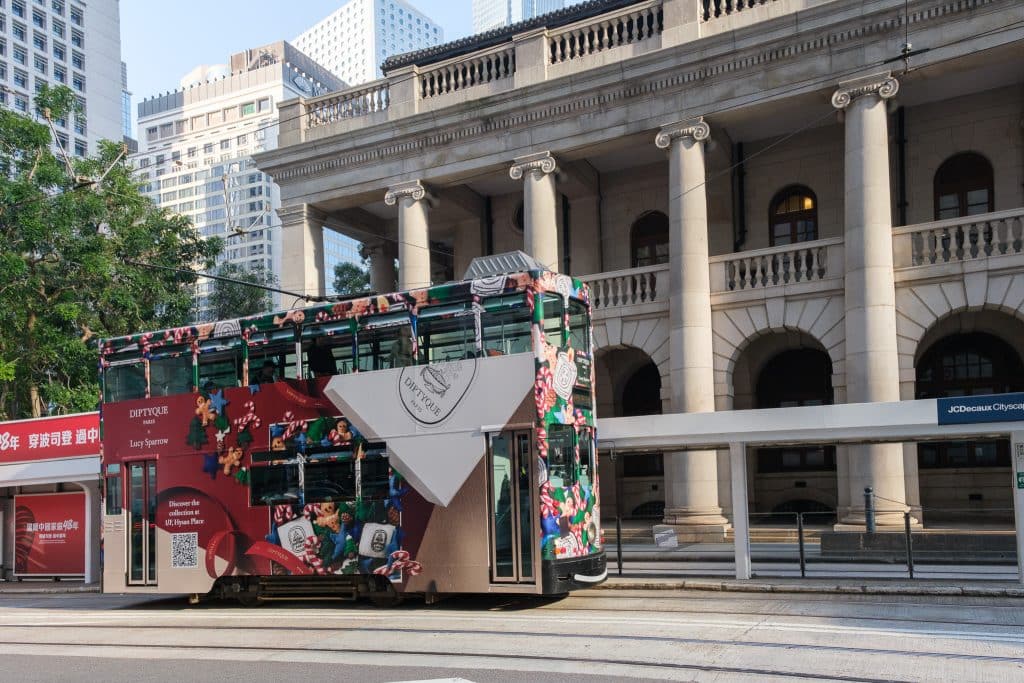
615	367
925	312
649	335
811	322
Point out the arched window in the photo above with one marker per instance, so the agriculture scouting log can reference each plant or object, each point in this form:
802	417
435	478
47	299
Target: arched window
793	216
963	186
649	239
798	377
971	364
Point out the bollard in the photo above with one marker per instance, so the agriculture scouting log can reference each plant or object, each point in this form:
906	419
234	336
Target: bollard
910	544
800	540
869	510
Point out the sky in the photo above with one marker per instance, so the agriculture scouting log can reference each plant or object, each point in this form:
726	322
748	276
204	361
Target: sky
161	42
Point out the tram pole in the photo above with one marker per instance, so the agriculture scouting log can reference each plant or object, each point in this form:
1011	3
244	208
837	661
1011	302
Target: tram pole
740	520
1017	472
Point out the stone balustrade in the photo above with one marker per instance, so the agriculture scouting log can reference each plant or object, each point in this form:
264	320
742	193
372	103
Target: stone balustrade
715	9
465	72
631	287
785	265
627	26
360	101
959	239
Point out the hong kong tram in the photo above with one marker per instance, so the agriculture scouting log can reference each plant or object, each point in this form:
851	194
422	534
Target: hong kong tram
433	441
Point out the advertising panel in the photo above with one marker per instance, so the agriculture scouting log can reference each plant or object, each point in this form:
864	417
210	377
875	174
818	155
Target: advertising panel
49	534
65	436
975	409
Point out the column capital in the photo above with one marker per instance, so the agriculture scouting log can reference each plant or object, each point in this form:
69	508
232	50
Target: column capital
300	213
882	84
697	128
542	162
413	189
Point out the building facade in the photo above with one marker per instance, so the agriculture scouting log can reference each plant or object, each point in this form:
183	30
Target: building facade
196	146
492	14
64	42
354	40
775	202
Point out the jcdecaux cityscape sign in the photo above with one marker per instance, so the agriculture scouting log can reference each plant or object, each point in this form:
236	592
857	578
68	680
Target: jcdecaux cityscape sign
971	409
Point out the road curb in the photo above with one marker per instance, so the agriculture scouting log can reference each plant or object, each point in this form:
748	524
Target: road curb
859	589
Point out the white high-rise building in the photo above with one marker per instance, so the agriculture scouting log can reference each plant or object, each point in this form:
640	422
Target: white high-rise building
196	146
64	42
355	39
488	14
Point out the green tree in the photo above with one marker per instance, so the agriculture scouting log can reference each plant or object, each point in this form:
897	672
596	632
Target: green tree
73	237
350	278
237	299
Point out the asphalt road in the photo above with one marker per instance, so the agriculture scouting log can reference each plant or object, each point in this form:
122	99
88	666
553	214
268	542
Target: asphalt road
597	636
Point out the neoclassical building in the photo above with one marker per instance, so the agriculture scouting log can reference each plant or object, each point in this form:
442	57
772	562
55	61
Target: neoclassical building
776	203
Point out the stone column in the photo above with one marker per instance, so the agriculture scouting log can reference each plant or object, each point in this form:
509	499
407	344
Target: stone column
302	252
872	363
691	477
540	206
381	255
414	201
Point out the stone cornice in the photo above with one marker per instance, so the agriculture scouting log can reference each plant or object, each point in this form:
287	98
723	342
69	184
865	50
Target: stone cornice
670	81
883	85
299	213
697	129
542	163
413	189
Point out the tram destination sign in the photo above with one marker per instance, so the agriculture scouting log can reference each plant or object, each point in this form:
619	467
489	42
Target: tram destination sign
972	409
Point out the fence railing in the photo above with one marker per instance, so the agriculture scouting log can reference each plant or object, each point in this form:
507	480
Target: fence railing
634	24
762	268
366	99
628	287
960	239
466	72
713	9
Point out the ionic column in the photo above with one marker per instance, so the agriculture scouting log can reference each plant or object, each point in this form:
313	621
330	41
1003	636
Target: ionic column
872	364
540	206
691	477
414	201
302	251
382	265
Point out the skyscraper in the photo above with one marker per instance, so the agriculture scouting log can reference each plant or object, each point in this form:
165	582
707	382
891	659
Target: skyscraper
64	42
196	147
356	38
488	14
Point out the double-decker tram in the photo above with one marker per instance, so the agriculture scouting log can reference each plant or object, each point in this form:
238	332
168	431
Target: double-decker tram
434	441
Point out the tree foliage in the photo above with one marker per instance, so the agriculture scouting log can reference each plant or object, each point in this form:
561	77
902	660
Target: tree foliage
350	278
71	241
235	299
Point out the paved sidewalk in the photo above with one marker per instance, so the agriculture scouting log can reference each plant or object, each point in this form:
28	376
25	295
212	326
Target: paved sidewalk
846	586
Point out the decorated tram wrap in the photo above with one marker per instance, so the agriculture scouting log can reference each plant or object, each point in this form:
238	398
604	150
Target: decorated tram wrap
434	441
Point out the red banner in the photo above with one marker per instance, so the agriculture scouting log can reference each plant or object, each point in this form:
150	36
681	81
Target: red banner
64	436
49	534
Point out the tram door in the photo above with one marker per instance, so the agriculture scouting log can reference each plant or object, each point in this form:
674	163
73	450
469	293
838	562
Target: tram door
141	522
511	499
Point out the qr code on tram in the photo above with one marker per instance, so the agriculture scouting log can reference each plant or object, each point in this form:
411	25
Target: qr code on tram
184	550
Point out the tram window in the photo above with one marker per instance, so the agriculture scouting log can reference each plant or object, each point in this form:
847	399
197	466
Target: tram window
446	333
505	325
586	457
561	463
385	341
112	489
272	364
170	371
328	349
554	310
124	382
581	398
579	326
274	484
330	481
219	370
373	476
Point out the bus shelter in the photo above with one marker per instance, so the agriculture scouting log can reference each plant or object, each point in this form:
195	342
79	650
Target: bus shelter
49	498
951	419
